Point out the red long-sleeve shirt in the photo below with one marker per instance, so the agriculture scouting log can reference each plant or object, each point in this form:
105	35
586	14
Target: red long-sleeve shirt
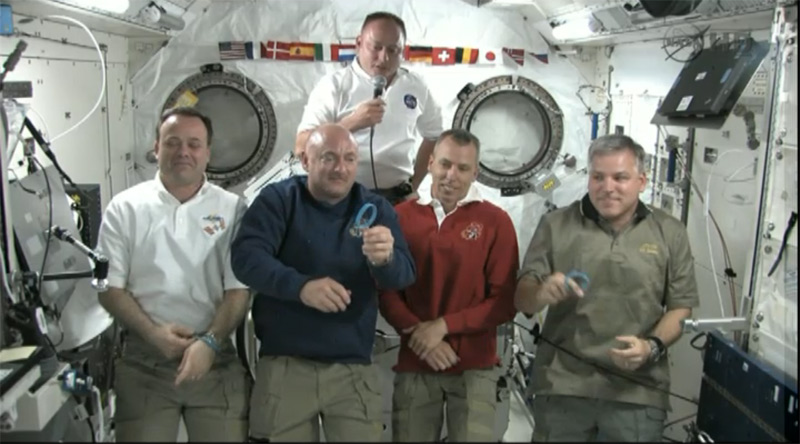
466	273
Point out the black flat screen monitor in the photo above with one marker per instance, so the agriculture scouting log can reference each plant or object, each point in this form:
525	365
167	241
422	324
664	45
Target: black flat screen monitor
710	84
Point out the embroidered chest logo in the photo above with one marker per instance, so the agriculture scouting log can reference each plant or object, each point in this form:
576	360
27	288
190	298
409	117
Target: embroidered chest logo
649	249
216	223
473	231
410	101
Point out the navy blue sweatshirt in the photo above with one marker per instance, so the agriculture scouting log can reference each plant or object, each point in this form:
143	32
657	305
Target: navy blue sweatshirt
287	238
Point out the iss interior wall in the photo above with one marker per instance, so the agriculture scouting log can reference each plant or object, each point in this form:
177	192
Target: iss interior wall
66	84
641	77
446	23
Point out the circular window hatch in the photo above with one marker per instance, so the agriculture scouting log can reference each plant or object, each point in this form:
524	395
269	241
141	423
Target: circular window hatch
245	128
520	126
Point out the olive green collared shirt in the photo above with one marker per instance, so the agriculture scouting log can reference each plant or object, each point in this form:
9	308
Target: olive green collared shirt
635	276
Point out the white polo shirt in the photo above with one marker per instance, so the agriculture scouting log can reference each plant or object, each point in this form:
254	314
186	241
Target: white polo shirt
174	258
410	109
426	198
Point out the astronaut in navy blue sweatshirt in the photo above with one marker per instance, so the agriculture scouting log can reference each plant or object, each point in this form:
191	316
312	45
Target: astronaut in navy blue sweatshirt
303	248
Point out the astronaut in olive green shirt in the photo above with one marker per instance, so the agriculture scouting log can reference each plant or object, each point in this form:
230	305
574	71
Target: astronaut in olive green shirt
642	285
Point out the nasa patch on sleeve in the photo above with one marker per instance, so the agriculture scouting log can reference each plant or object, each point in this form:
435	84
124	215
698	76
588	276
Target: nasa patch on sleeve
410	101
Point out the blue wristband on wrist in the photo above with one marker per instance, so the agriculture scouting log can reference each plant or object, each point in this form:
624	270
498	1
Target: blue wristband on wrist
210	341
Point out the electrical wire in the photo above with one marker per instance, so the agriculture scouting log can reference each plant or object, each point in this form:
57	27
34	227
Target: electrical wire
49	225
707	205
599	366
16	178
39	288
91	427
102	69
675	421
693	341
593	88
785	240
729	272
41	120
730	177
372	157
696	40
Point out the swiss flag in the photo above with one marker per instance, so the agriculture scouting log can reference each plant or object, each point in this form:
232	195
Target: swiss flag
444	56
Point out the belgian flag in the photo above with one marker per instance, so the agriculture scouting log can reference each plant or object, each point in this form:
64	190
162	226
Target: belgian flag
466	55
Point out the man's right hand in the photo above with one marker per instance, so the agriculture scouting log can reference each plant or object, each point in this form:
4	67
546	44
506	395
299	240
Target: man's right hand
325	295
554	291
367	114
172	340
442	357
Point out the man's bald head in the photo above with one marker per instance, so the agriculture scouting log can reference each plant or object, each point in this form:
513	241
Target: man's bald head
330	135
331	158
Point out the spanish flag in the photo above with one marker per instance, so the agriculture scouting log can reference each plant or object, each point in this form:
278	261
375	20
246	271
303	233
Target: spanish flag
466	55
301	51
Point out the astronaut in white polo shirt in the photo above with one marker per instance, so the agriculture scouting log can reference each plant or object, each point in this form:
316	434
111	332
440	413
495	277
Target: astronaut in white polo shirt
406	108
172	288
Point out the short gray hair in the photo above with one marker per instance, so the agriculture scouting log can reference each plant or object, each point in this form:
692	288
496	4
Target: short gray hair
613	143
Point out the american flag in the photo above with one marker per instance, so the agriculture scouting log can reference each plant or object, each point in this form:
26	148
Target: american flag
232	50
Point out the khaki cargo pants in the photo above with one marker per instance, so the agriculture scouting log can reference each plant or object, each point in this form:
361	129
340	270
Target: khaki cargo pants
292	394
420	398
576	419
149	406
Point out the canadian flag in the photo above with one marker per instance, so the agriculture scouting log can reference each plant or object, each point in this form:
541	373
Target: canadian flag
444	56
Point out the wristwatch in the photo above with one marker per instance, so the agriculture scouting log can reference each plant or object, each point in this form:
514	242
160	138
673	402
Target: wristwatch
657	348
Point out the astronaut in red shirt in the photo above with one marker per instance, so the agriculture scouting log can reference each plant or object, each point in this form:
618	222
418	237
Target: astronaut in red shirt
466	253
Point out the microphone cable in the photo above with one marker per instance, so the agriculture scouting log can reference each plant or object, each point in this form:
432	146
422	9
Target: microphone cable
378	85
372	157
537	336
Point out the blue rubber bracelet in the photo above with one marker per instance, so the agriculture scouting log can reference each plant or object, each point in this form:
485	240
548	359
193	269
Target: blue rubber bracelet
581	278
362	221
210	342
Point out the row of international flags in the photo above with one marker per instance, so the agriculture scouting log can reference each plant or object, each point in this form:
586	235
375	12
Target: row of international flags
345	52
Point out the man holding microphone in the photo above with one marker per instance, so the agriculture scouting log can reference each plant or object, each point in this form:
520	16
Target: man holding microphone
383	105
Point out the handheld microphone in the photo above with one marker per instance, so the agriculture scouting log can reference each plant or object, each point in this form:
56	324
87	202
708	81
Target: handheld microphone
378	85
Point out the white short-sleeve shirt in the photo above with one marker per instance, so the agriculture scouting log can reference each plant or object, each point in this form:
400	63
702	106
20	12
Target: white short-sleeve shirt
174	258
410	109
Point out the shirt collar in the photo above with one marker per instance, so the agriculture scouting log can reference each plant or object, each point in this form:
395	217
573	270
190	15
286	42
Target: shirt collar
162	190
590	212
473	195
